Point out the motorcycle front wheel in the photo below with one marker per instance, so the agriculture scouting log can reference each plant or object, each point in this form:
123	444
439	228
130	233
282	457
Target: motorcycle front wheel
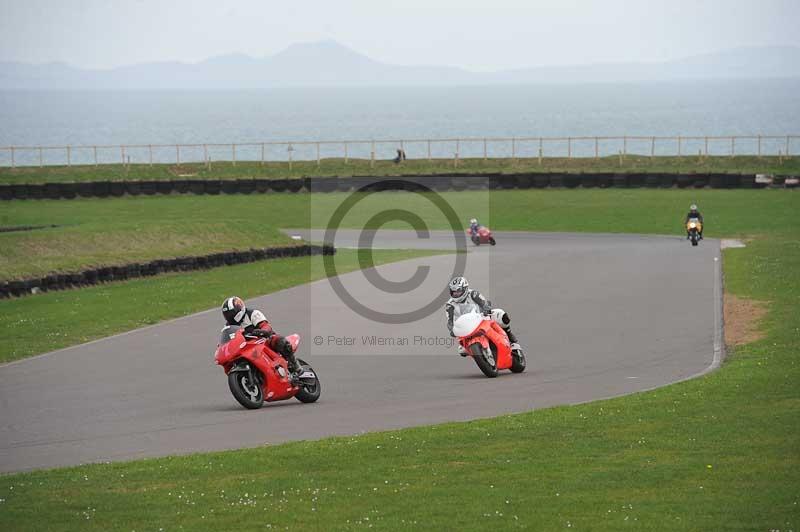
492	241
484	360
246	389
310	389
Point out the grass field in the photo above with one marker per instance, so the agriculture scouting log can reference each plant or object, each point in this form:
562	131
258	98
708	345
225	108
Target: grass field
45	322
721	452
101	232
337	167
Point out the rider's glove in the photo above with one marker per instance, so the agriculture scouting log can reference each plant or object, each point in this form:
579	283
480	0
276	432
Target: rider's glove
261	333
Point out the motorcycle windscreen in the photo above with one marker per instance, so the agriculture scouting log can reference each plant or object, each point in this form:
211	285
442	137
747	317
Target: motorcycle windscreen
228	350
228	334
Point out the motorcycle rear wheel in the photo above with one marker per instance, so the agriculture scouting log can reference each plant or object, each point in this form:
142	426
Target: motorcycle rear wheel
479	355
249	394
309	391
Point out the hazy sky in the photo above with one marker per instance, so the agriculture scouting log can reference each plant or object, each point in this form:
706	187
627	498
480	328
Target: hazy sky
478	35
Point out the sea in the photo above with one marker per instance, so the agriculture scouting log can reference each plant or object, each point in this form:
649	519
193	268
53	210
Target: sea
395	117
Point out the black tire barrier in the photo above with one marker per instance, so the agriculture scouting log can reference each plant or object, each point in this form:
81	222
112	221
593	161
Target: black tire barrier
101	189
438	182
294	185
116	188
557	180
36	191
106	274
148	187
571	180
165	187
134	188
230	186
17	228
699	180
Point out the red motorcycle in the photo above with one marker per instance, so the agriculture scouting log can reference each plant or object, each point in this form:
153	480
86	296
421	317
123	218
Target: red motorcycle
482	236
256	373
487	343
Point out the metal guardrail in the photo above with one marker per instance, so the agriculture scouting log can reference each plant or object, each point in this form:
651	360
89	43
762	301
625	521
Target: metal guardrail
443	148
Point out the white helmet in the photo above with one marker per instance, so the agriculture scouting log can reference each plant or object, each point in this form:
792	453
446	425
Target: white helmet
473	221
459	288
693	207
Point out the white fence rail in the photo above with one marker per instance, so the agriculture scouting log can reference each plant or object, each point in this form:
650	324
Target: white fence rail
420	149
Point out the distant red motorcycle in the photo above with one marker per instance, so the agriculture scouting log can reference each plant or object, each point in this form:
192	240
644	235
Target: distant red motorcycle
482	236
487	343
256	373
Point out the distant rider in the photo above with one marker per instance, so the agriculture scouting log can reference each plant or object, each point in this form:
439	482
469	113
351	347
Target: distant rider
255	323
694	213
463	300
473	226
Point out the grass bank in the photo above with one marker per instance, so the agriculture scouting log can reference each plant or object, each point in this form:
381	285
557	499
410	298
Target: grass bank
103	232
716	453
338	167
45	322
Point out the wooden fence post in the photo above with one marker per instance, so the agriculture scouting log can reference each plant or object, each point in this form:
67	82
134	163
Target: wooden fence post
569	147
150	150
596	149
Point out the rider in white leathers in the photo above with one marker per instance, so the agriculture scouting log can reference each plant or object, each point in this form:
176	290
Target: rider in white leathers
463	300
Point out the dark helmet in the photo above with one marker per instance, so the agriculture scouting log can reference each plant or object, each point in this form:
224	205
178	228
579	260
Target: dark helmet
233	310
459	287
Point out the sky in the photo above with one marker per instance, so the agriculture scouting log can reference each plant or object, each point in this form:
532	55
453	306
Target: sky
477	35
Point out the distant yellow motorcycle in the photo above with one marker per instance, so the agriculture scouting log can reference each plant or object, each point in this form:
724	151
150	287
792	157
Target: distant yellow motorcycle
694	227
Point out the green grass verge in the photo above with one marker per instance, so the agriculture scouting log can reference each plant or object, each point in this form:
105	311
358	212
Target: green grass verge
98	232
717	453
45	322
337	167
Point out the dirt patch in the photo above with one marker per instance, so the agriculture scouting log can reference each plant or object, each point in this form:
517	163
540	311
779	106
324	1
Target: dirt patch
742	317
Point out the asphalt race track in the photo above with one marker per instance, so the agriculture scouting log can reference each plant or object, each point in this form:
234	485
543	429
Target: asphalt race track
598	316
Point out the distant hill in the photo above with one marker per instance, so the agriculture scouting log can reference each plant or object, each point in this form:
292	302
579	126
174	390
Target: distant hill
329	64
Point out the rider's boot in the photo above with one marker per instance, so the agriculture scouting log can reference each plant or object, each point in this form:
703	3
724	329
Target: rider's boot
462	351
513	339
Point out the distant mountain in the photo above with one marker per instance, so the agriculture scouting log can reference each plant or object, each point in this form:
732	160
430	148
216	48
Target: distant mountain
329	64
